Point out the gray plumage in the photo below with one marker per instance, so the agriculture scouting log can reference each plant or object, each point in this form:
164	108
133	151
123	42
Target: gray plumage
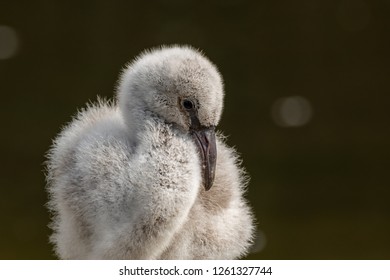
138	179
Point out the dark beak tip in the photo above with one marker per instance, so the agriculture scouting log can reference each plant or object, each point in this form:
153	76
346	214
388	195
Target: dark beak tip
207	187
206	142
209	181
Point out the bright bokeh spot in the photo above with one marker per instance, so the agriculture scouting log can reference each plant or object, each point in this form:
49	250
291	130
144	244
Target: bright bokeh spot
291	111
9	42
259	243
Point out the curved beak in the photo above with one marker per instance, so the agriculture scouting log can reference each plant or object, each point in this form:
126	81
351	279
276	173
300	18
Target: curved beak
205	139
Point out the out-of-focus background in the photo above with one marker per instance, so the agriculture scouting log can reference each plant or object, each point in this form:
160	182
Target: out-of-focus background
307	106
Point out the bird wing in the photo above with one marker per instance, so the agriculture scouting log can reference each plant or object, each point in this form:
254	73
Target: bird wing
117	200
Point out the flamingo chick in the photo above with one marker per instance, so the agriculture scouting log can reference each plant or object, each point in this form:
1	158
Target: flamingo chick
146	177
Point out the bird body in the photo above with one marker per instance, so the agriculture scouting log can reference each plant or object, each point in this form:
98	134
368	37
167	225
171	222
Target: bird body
145	177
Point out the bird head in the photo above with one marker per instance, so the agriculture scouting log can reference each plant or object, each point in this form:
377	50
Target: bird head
180	85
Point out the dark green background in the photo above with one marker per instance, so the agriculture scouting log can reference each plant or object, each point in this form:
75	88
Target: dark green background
320	191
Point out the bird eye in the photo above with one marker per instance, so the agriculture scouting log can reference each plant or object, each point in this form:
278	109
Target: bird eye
188	104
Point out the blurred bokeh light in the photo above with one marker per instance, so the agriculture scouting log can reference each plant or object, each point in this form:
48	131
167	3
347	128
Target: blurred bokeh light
8	42
291	111
307	106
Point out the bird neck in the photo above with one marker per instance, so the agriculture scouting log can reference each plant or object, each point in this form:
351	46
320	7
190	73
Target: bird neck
135	121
